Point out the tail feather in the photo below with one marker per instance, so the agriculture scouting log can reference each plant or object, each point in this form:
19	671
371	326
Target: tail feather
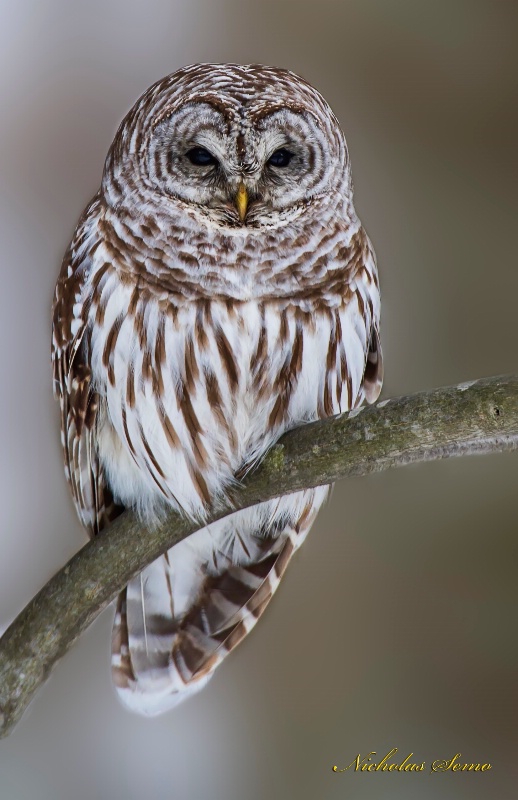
166	642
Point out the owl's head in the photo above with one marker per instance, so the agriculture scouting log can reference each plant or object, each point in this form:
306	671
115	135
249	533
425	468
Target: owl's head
240	146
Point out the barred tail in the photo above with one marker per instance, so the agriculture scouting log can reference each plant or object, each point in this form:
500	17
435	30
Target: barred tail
177	621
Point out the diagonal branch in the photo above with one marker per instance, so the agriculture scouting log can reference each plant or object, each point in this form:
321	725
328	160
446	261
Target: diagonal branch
477	417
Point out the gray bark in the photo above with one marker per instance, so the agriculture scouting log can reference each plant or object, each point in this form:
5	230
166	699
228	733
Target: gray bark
478	417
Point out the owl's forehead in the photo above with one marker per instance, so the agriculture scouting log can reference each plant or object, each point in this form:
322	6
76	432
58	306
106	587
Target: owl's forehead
241	93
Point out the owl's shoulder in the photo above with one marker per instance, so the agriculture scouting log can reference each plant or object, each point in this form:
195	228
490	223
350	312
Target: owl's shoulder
72	297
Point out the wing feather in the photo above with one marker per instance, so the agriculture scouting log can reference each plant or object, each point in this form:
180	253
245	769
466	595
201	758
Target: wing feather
79	403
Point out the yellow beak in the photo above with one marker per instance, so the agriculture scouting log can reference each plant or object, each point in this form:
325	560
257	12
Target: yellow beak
242	201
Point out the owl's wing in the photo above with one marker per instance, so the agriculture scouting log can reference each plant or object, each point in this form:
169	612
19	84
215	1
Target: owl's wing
373	375
361	259
78	401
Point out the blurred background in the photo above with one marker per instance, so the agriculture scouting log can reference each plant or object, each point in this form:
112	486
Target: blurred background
395	626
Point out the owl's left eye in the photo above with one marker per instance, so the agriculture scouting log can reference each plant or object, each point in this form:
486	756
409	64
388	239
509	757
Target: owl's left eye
201	157
281	158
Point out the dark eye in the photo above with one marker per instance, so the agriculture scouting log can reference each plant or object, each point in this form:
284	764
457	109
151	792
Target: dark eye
281	158
200	157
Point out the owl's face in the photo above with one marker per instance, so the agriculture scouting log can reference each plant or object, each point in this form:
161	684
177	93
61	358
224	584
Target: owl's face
243	147
249	172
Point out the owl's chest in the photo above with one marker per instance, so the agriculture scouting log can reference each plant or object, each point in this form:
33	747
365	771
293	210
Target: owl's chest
193	393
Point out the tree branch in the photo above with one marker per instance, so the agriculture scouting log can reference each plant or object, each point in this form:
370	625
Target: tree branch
477	417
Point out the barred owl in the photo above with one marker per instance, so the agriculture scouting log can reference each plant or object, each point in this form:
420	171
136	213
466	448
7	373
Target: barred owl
218	290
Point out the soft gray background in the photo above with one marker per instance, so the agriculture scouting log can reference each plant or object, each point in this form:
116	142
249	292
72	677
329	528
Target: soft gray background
396	624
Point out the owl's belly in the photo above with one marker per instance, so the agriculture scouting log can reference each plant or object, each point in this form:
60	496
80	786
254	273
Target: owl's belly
194	395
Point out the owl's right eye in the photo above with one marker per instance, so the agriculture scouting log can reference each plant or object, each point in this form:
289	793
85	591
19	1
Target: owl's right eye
201	157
